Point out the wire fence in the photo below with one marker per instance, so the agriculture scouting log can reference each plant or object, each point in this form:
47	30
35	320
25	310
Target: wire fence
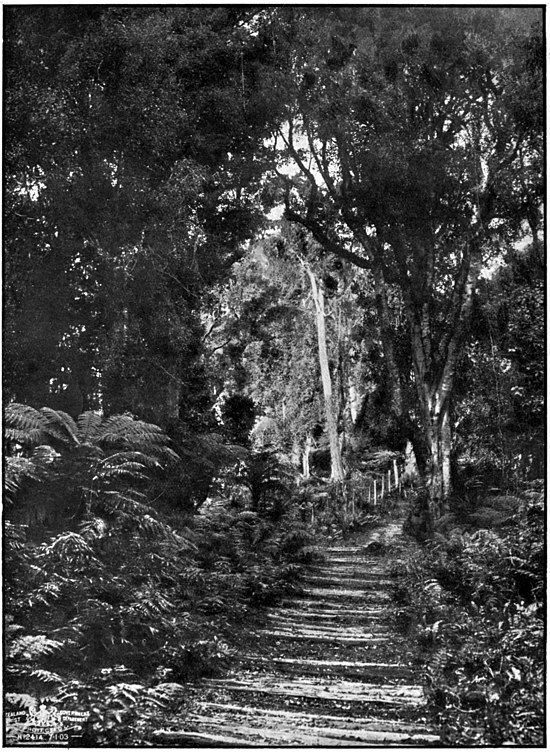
375	492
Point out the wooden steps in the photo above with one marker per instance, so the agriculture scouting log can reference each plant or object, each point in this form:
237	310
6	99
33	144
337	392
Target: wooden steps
345	593
306	666
375	624
308	687
329	616
250	726
353	583
325	669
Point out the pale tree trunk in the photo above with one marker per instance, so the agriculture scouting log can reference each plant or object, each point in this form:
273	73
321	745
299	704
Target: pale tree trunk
337	470
354	400
438	468
410	471
308	444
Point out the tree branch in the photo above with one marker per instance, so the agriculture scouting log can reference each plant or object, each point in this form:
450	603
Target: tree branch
325	241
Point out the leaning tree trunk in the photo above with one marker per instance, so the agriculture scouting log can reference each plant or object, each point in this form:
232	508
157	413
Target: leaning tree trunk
336	466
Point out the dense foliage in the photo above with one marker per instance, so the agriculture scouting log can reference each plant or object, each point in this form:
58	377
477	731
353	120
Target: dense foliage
114	613
248	248
416	145
474	600
127	194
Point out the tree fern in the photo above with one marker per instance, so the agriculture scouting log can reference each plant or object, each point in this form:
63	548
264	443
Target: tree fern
88	425
98	464
23	424
60	426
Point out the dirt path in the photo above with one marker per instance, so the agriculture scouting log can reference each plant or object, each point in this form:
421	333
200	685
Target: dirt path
326	669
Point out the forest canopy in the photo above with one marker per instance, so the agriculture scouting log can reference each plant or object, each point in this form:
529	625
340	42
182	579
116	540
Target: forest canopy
147	150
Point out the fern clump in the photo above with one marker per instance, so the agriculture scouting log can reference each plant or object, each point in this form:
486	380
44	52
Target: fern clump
59	469
115	601
474	601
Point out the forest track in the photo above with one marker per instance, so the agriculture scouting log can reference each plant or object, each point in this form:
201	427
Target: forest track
326	669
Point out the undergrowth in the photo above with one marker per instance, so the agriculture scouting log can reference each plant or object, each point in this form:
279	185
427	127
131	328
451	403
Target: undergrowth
113	615
473	600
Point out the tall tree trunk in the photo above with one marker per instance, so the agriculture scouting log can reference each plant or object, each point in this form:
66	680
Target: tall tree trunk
336	466
308	444
354	400
438	469
388	339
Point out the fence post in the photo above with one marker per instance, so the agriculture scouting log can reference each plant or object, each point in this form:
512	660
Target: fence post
396	474
389	481
375	492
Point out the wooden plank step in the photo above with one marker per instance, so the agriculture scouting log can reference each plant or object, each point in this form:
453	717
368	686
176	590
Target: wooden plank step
364	583
198	739
347	571
311	736
357	561
243	736
304	665
335	606
338	690
329	618
278	716
333	638
332	592
377	613
290	625
296	621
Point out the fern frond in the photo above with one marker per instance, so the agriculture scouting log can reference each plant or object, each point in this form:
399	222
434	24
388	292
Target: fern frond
132	456
60	425
37	468
17	468
46	677
165	694
128	493
125	694
31	647
135	433
22	701
114	501
45	455
150	526
45	595
72	547
23	423
130	471
94	529
248	516
88	425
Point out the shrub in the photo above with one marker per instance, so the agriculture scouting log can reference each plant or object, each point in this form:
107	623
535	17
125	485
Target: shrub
117	610
473	599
